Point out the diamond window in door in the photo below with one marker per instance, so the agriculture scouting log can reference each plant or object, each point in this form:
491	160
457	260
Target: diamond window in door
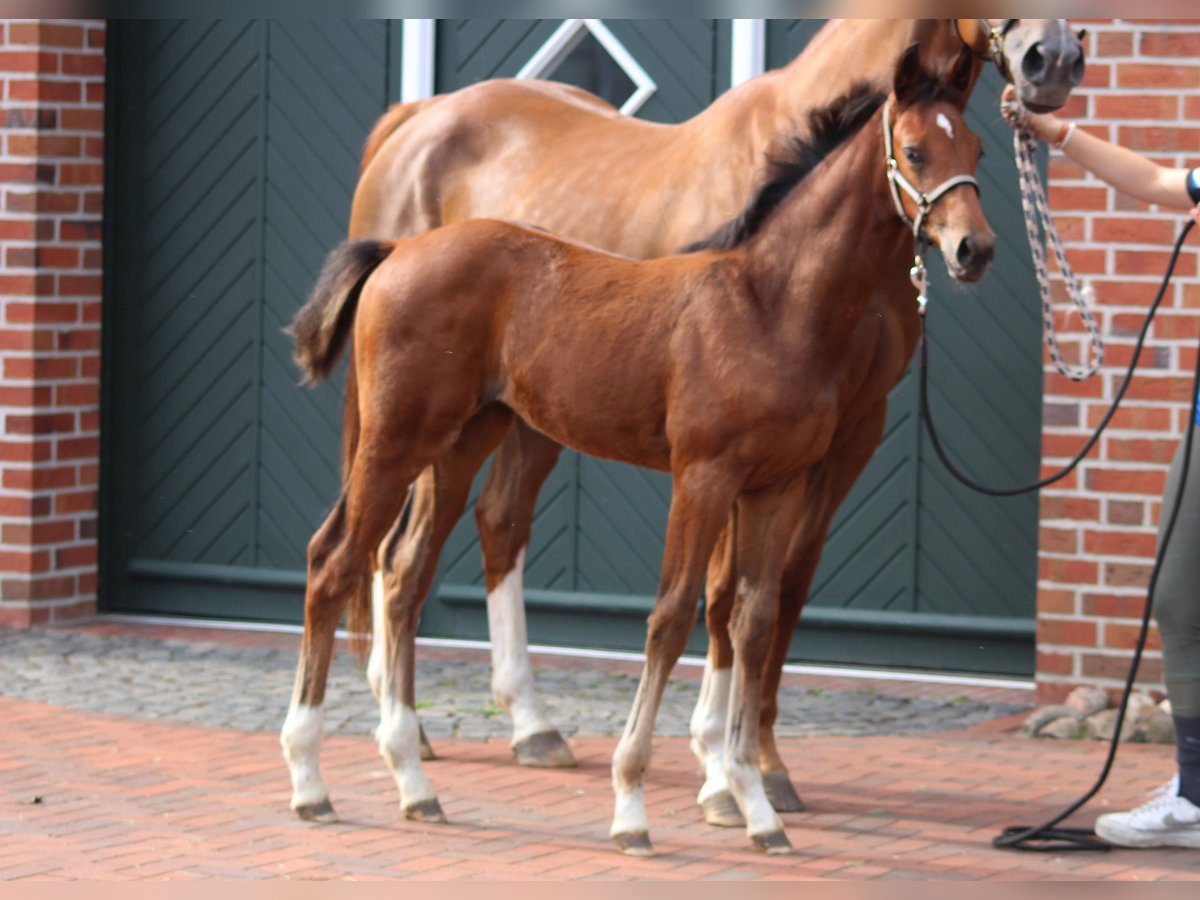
585	53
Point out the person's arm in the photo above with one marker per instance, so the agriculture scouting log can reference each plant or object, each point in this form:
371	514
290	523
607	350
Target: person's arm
1126	170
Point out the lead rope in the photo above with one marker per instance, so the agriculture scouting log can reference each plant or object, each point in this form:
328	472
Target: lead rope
1039	222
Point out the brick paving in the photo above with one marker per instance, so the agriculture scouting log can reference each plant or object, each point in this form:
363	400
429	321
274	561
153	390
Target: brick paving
89	794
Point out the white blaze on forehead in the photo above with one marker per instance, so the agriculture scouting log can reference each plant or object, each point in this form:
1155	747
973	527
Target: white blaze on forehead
945	124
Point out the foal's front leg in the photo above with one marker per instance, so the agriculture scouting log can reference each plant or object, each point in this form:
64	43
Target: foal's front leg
712	706
766	521
701	500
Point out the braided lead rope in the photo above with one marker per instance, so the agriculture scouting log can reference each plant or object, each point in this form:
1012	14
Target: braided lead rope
1033	201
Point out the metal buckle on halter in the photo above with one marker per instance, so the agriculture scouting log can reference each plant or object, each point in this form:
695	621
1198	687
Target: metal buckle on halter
996	37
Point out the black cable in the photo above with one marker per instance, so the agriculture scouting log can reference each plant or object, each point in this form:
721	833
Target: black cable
1046	838
1091	442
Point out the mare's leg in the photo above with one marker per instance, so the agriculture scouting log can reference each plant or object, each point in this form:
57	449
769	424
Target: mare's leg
409	565
700	504
504	513
766	521
708	718
338	566
827	489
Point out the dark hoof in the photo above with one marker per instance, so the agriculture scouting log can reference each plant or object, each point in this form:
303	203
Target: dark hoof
773	843
721	809
634	843
426	811
426	748
780	792
546	750
322	812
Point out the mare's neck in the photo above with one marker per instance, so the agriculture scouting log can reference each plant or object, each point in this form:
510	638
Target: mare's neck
817	261
761	111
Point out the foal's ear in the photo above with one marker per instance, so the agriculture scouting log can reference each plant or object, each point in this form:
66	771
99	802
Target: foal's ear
909	74
963	73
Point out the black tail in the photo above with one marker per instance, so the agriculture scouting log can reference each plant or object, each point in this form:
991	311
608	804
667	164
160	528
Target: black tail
322	325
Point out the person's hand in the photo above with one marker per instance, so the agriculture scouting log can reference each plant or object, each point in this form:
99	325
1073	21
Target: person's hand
1195	213
1044	126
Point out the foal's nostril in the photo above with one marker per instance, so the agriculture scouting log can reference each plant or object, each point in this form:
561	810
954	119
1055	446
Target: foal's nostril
975	253
1033	66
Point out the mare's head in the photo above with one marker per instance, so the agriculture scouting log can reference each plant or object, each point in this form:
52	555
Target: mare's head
932	147
1042	58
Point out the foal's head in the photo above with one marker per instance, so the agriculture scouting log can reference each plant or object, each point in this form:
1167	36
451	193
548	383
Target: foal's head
931	146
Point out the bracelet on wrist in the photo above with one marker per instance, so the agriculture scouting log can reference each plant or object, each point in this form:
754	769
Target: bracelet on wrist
1064	136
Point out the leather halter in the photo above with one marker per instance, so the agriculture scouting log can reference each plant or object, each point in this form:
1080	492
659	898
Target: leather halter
897	181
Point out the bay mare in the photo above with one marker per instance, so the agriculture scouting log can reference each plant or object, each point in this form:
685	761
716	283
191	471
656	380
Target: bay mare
605	179
748	371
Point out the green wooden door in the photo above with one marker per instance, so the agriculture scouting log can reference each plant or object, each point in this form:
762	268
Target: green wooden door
235	154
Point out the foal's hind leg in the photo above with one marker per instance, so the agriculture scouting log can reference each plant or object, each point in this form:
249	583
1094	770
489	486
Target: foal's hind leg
338	560
379	601
504	513
409	567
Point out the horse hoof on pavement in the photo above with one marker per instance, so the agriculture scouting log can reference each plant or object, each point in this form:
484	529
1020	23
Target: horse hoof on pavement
322	812
634	843
721	809
780	792
426	748
773	843
546	750
425	811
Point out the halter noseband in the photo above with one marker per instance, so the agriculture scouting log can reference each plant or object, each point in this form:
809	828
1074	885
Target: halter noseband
897	181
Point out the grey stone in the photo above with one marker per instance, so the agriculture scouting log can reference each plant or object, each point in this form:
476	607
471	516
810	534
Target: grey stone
1087	700
1156	727
1043	716
1063	728
1101	725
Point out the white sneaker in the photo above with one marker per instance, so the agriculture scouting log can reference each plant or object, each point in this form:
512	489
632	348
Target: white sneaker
1166	821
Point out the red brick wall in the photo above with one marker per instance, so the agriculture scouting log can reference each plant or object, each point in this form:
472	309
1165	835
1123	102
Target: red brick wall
51	176
1097	539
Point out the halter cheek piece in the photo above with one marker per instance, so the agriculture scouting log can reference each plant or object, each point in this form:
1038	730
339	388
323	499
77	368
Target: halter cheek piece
898	182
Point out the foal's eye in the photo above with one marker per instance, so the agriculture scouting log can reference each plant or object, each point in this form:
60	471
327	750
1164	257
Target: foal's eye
914	157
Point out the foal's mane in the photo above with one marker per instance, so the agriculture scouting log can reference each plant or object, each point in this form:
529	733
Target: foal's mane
828	128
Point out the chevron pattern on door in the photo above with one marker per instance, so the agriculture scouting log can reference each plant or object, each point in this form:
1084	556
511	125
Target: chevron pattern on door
239	148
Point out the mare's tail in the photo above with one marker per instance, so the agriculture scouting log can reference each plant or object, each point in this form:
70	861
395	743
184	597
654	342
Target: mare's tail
322	325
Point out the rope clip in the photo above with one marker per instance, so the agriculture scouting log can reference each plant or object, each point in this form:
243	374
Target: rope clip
919	276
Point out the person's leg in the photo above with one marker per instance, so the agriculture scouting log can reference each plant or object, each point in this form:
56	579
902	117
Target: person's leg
1177	608
1172	819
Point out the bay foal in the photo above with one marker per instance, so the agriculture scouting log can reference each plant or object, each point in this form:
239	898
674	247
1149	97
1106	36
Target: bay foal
737	370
